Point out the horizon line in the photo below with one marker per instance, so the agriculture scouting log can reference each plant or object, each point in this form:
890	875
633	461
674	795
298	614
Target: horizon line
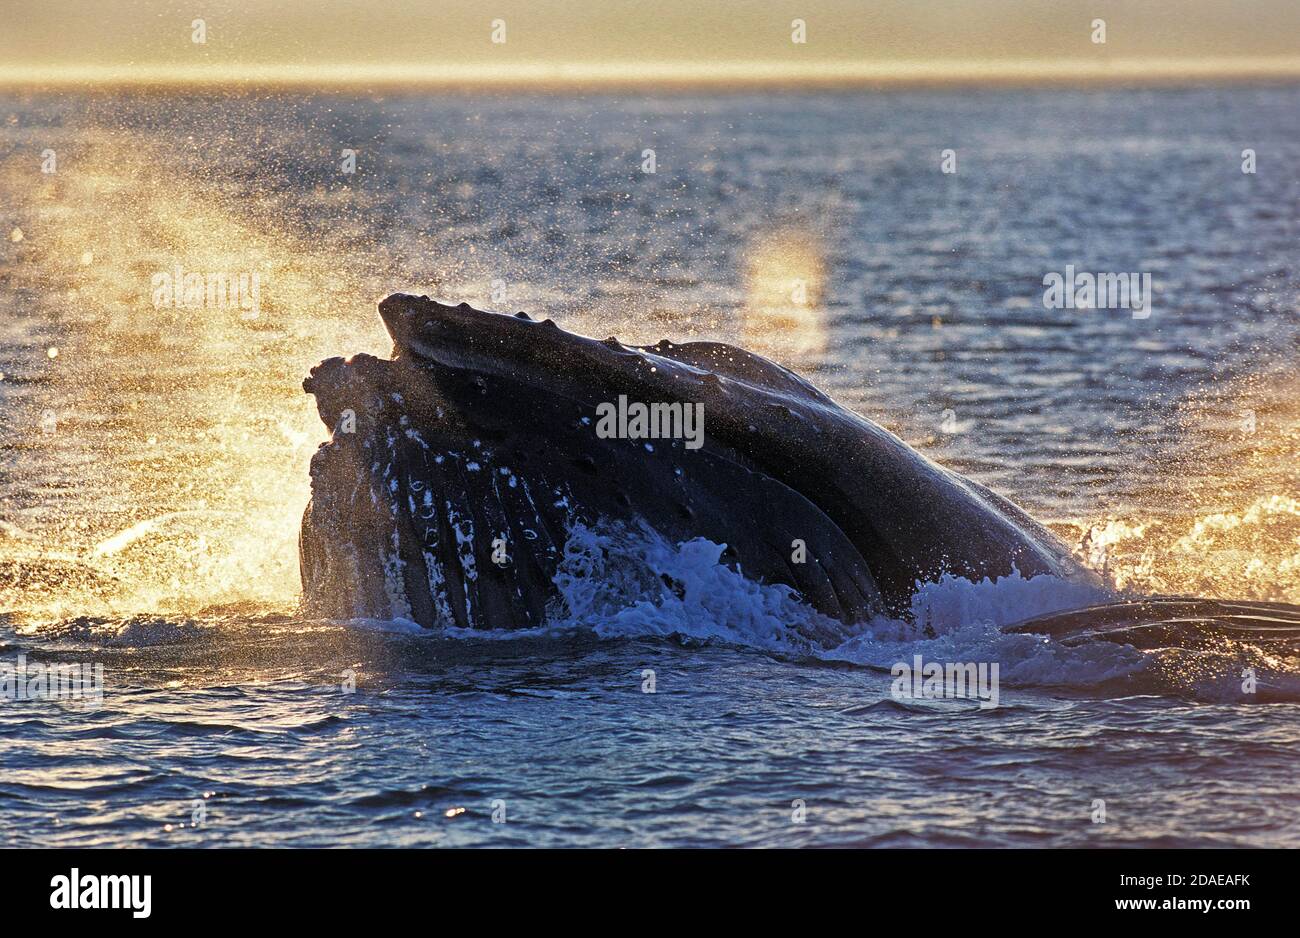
684	75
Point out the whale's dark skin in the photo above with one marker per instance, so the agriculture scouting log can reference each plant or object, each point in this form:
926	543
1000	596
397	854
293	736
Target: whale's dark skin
482	427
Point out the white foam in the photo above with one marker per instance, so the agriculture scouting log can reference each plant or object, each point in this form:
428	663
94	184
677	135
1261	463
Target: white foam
611	581
399	626
619	582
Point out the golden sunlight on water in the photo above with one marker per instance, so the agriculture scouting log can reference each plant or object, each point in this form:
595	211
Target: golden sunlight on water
1234	531
166	447
174	440
785	275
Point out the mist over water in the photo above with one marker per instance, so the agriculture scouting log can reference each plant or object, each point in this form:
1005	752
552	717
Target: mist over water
153	461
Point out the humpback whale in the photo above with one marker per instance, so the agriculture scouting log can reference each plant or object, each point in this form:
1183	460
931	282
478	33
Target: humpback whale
456	469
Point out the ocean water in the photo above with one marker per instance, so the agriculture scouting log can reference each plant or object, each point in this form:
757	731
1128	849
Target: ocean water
153	464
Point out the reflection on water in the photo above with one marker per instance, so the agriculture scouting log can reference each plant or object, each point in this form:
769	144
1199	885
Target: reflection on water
784	281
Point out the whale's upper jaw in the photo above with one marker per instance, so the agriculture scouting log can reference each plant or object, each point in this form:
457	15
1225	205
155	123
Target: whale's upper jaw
439	336
441	341
458	337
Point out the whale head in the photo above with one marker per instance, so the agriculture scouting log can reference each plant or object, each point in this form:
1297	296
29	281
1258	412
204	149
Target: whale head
457	468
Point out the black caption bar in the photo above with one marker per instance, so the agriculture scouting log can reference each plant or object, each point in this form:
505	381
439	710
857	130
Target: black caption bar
331	888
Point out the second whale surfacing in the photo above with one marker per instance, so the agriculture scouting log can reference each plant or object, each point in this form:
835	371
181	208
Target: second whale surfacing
457	469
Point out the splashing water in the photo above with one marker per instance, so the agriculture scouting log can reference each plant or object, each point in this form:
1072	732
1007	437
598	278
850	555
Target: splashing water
1230	525
184	428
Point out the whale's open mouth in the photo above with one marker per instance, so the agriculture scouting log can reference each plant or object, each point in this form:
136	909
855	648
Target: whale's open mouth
456	468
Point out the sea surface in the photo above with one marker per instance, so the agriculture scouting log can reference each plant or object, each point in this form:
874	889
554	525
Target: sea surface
153	463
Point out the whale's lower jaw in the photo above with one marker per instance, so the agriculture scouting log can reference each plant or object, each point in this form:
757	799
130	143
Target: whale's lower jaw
417	514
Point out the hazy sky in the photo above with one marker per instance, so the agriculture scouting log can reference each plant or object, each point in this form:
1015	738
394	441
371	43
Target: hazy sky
126	38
